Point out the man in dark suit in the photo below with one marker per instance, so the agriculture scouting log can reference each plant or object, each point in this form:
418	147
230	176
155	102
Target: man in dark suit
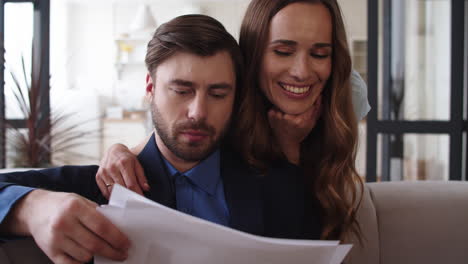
193	82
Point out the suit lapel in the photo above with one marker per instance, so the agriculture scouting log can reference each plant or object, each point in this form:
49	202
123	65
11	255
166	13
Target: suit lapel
242	192
241	188
162	190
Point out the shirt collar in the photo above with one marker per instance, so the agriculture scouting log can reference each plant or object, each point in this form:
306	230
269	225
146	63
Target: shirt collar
205	175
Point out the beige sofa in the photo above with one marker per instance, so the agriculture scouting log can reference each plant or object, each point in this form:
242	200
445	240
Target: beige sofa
414	222
403	222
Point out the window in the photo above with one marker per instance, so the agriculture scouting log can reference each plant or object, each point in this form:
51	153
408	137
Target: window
15	42
416	59
18	44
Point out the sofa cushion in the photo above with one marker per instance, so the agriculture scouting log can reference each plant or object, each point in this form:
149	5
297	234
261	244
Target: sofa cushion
422	222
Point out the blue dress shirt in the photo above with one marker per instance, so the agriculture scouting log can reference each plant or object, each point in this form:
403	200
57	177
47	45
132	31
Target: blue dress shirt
200	191
11	195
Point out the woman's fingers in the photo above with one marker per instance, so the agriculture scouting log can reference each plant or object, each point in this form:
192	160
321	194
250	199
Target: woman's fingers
111	177
140	173
120	166
130	178
115	174
103	187
294	128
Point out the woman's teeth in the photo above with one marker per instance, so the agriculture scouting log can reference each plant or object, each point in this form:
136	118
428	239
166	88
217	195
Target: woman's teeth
295	89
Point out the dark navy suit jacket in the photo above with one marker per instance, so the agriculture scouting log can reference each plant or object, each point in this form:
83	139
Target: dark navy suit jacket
272	205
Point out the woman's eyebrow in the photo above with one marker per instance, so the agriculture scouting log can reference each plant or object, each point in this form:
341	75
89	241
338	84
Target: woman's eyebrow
322	45
294	43
284	42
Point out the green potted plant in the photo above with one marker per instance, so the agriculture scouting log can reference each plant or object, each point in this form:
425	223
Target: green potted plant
43	137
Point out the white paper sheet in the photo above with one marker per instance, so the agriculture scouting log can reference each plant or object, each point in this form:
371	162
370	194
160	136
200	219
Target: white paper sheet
165	236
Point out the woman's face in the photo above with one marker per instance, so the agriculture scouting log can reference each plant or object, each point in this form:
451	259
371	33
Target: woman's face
297	61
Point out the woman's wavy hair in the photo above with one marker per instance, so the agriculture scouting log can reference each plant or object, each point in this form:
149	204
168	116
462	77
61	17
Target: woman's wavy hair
328	153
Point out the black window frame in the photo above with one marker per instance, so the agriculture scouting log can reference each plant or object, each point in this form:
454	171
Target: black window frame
454	128
40	66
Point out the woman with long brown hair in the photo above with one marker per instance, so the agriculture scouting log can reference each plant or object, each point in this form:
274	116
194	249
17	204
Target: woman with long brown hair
298	106
302	44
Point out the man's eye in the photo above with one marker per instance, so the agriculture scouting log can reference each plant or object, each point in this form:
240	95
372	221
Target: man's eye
181	92
282	53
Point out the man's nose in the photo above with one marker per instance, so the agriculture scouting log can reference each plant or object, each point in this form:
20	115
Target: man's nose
198	108
301	68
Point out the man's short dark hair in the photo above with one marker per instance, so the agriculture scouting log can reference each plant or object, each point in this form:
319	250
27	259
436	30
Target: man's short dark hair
198	34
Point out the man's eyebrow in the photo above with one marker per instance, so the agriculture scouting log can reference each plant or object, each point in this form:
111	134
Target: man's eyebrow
181	82
225	86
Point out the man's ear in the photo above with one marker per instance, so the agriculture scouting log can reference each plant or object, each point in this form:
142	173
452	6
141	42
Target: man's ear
149	89
149	84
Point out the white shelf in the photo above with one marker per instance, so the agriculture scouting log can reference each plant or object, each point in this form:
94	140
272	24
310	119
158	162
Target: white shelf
130	53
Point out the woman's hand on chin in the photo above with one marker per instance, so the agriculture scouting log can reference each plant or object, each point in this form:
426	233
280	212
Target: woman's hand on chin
291	130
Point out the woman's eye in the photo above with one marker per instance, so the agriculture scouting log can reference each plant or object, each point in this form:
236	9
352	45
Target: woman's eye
319	56
282	53
218	96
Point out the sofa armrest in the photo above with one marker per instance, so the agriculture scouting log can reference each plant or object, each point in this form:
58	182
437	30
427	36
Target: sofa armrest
422	222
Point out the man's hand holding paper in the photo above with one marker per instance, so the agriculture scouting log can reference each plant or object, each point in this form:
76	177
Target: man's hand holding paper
67	227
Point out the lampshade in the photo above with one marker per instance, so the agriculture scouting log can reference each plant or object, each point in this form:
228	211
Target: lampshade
143	20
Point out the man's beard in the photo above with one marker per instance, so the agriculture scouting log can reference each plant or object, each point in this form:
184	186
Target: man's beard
187	151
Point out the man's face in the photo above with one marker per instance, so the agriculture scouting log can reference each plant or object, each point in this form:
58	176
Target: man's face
191	103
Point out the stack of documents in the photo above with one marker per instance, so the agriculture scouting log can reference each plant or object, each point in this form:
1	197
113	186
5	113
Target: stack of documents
165	236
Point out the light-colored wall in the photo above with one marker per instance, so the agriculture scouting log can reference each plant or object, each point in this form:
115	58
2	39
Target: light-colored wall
90	46
81	68
228	13
355	16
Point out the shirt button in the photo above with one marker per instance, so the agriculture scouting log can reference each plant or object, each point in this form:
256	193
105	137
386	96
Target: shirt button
180	180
